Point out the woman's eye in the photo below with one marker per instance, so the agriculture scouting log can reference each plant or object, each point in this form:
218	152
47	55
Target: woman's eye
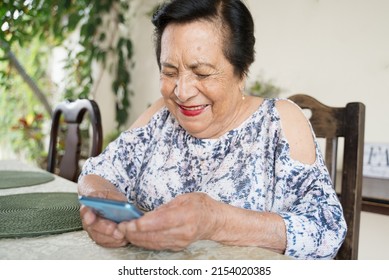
202	76
169	74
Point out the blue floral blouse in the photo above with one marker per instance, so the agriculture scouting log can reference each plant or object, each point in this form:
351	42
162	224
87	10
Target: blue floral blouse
248	167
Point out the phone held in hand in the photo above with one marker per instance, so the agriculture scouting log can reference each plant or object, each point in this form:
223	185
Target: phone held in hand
117	211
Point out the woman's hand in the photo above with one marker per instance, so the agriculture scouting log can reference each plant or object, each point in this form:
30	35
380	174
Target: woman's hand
175	225
102	231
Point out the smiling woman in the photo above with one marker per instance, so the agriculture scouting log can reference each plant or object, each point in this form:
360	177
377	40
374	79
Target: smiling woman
208	162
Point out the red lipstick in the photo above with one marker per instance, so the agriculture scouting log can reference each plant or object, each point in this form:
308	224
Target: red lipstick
192	111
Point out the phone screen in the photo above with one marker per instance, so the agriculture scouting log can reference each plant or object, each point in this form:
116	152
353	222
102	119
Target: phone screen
117	211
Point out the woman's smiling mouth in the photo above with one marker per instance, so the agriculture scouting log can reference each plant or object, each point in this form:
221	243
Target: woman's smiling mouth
192	111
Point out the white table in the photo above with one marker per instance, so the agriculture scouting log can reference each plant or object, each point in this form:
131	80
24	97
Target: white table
77	245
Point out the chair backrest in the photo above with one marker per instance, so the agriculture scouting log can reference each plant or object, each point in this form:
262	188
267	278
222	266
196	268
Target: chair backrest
73	113
332	123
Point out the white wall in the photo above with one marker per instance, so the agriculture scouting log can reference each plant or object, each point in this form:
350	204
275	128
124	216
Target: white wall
335	50
144	75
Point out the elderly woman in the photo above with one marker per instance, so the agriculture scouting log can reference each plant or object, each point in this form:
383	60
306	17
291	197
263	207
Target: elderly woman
208	162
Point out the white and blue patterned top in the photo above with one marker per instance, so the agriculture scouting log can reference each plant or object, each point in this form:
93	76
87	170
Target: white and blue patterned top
248	167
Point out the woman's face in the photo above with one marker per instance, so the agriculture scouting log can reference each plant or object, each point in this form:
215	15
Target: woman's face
197	82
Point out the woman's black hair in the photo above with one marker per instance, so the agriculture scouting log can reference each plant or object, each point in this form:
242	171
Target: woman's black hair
236	21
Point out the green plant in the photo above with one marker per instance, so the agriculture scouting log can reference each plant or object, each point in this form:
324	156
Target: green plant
91	31
102	37
263	88
17	102
27	136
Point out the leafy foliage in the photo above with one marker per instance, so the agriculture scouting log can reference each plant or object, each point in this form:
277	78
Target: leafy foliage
90	31
100	38
264	89
18	106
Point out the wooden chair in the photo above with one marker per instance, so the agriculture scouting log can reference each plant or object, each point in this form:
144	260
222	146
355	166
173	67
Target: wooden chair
332	123
73	112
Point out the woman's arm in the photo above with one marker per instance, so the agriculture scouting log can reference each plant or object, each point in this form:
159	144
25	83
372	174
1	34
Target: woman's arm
237	226
196	216
315	225
94	185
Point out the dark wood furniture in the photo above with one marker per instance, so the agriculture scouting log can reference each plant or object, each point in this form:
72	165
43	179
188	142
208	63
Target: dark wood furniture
332	123
73	114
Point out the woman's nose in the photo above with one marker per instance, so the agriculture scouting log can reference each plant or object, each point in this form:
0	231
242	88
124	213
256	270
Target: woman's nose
185	88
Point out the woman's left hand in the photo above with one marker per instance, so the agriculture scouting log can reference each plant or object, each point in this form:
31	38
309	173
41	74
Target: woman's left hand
175	225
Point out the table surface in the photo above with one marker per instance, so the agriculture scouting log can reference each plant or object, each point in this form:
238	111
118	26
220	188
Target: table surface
78	245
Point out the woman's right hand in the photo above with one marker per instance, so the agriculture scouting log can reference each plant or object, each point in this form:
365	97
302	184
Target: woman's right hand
104	232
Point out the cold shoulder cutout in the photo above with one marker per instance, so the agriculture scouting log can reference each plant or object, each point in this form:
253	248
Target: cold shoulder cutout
297	131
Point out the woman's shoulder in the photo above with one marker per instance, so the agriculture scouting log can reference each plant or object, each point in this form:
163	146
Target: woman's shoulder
276	108
297	130
287	109
147	115
278	104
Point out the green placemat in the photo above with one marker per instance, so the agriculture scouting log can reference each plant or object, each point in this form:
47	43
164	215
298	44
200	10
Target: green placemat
15	178
34	214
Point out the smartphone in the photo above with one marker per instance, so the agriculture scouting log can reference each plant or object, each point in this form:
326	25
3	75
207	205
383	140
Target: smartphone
117	211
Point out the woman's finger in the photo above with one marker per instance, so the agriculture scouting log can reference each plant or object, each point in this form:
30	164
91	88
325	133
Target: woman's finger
102	231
